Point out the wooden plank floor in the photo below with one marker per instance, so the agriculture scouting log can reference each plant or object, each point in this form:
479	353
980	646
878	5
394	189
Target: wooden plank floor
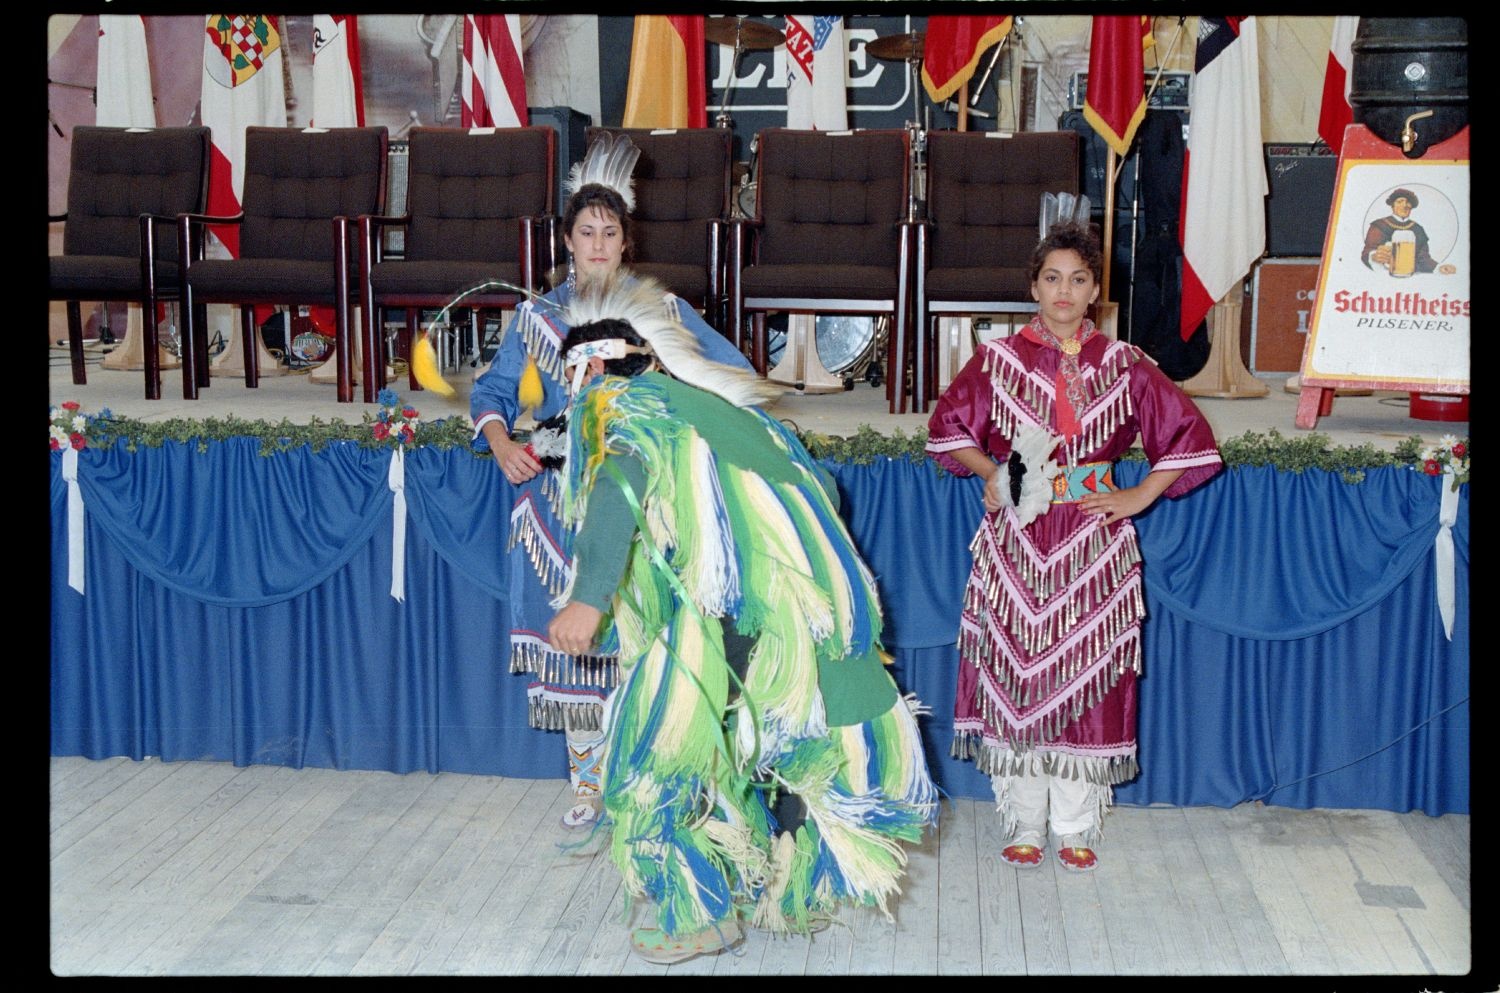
201	868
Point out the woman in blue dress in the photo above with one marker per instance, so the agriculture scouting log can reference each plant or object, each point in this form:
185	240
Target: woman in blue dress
567	692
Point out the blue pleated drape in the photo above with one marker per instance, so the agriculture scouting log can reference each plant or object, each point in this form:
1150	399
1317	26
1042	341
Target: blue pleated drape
238	608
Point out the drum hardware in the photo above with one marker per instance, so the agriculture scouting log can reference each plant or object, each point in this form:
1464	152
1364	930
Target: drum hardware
909	48
745	195
841	349
740	34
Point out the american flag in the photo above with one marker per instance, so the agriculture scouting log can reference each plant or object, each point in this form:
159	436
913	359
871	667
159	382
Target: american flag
493	83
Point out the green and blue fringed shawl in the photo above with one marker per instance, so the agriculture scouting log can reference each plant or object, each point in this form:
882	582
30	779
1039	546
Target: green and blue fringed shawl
686	765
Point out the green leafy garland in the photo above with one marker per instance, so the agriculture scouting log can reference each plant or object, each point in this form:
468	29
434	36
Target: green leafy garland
866	445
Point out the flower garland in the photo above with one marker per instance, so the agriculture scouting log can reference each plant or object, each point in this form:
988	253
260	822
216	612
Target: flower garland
1449	458
68	426
395	424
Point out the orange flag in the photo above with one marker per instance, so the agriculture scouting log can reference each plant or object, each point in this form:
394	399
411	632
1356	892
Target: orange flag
667	86
952	49
1115	103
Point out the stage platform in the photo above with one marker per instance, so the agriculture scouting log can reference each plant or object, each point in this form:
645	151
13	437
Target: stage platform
1380	419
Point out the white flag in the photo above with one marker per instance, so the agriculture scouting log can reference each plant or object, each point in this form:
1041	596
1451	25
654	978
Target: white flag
123	85
1223	222
338	99
816	63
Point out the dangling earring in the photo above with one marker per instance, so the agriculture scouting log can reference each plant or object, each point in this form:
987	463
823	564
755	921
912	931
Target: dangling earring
572	274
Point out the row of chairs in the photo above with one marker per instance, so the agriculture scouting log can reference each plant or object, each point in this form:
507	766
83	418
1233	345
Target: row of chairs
832	231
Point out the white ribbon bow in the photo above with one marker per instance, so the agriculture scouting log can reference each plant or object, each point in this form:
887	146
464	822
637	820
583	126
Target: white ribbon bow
396	479
75	519
1447	517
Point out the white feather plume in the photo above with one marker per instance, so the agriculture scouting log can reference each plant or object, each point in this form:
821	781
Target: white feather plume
609	161
642	303
1035	446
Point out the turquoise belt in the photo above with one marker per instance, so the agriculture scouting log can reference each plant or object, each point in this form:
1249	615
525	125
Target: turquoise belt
1075	482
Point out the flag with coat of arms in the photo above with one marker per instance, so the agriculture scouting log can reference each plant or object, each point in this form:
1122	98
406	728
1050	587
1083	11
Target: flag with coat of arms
242	87
816	64
338	96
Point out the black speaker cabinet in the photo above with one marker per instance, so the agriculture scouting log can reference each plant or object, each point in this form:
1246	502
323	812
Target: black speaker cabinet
570	126
1301	178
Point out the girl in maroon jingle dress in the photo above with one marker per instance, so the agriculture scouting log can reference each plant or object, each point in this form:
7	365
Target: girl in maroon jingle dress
1049	640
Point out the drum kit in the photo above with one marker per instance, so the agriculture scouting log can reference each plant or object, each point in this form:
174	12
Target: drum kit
841	347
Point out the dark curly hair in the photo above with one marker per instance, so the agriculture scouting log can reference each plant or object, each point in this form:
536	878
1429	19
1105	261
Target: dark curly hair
1069	237
605	199
630	365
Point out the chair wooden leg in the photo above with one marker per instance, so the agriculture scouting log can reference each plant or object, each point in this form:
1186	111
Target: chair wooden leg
759	352
247	339
409	343
75	342
200	342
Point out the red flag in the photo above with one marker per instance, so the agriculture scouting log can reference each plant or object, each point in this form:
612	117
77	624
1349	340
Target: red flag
1115	103
1336	114
952	50
1223	226
494	81
668	86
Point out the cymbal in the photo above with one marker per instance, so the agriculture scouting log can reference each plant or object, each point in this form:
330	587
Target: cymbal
902	47
752	34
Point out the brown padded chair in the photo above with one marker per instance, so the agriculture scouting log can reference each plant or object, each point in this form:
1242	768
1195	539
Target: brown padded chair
828	237
122	183
984	194
302	191
478	208
682	191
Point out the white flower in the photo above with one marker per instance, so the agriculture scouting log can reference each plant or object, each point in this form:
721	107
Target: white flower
1426	454
80	422
58	435
1447	441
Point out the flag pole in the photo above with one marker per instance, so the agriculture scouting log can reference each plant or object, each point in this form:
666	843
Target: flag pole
963	106
1109	217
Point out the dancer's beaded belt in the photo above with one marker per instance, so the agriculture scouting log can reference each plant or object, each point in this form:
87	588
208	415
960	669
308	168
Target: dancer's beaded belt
1078	481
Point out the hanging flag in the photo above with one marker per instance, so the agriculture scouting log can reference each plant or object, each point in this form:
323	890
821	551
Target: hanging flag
1115	100
667	86
1336	113
338	96
242	87
494	82
1223	225
123	84
816	95
952	49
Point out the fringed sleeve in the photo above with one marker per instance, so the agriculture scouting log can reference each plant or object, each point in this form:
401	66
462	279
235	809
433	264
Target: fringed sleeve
1174	433
962	417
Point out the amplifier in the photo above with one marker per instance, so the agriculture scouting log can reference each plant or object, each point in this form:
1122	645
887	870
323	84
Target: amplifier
1301	179
1173	93
1282	292
398	156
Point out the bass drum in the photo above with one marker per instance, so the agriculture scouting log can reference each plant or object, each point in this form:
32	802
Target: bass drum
847	343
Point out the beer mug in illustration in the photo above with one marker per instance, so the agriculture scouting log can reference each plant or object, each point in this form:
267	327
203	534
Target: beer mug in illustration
1403	253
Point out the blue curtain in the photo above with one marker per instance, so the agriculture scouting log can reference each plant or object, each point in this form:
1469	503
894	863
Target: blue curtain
238	608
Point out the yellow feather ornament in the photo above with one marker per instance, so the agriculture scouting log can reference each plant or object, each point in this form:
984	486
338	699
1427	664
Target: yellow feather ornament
424	364
529	391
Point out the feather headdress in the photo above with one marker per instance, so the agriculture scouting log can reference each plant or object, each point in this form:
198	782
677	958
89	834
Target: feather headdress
608	162
642	303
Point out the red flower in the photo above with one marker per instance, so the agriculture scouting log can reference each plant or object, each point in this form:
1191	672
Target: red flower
70	405
55	446
1432	468
77	441
1460	450
381	431
406	434
409	412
